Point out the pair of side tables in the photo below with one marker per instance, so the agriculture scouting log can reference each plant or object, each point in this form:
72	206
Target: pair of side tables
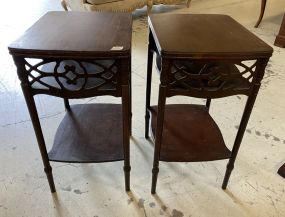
77	55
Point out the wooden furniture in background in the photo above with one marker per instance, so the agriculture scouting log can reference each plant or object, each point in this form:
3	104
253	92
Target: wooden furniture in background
64	57
198	58
262	9
116	6
280	38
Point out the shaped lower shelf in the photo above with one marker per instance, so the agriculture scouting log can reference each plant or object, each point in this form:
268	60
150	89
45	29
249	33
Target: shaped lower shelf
189	135
89	133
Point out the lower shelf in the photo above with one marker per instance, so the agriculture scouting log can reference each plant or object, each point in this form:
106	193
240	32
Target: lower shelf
89	133
189	135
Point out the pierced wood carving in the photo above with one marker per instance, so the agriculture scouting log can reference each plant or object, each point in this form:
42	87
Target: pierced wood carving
222	78
72	75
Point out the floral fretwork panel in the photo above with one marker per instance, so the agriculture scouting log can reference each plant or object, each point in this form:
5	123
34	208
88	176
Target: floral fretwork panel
72	75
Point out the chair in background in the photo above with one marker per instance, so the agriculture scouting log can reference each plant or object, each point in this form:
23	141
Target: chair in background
262	9
115	5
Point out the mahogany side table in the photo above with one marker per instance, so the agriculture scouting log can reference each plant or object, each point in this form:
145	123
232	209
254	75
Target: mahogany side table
202	56
77	55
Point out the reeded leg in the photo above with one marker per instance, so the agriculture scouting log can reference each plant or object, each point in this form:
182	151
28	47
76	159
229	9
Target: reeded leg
27	91
260	68
66	104
263	5
239	136
158	136
38	131
126	133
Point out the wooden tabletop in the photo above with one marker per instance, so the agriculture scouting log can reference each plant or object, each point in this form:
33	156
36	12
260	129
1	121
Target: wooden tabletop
203	36
76	33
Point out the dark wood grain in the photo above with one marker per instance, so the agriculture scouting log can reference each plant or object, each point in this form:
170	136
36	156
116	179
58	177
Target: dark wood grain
189	134
202	36
204	56
76	33
81	136
78	55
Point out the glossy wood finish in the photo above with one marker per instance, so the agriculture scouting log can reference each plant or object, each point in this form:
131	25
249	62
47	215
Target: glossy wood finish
189	134
196	57
262	9
80	34
280	38
76	55
238	43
